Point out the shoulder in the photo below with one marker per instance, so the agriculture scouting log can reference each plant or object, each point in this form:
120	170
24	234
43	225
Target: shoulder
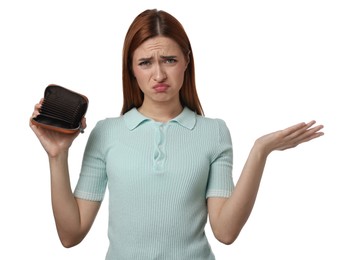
211	122
214	129
108	123
107	127
105	133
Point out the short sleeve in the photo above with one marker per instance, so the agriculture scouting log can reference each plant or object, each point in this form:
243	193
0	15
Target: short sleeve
92	181
220	181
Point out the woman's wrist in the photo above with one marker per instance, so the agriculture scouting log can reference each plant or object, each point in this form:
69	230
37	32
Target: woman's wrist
59	155
261	150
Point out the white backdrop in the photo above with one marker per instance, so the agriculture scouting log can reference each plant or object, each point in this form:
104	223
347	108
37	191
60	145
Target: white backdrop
260	65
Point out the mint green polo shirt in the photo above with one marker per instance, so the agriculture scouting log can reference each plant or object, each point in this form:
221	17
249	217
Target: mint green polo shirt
159	176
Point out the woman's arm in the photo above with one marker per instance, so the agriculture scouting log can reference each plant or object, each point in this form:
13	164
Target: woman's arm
228	215
73	217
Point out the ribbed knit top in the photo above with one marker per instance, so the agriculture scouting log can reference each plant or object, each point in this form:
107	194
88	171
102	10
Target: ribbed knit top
159	176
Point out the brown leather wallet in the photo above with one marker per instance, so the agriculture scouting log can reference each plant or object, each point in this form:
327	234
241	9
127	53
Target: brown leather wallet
62	110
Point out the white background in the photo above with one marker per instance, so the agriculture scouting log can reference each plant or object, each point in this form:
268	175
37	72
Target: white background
260	65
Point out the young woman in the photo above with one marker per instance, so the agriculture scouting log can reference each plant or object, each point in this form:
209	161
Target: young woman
167	166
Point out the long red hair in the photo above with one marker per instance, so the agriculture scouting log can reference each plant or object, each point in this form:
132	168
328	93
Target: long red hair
149	24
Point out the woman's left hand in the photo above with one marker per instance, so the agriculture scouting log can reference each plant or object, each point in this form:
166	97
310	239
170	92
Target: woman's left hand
289	137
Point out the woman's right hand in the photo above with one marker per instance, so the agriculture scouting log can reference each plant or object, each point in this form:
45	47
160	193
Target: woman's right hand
53	142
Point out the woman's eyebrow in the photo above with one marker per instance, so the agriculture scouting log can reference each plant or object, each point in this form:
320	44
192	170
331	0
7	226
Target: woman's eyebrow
168	57
161	56
145	59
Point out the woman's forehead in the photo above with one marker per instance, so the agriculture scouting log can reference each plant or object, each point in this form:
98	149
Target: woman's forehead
159	45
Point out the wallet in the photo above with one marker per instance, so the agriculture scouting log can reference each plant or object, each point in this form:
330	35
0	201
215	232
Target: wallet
62	110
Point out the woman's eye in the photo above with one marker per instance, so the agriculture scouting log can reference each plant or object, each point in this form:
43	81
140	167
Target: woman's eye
170	61
144	63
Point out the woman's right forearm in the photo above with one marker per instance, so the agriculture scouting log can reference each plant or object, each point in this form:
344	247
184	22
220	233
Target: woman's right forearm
64	204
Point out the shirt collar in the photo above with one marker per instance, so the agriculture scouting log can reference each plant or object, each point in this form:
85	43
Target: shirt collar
187	118
133	118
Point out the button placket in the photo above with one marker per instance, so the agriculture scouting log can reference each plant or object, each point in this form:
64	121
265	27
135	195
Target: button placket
159	148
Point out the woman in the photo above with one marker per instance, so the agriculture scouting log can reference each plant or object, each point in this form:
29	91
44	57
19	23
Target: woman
166	165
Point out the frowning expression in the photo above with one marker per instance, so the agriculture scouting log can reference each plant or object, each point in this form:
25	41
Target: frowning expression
159	65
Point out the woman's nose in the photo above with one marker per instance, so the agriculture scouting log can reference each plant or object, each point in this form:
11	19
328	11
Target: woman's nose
159	73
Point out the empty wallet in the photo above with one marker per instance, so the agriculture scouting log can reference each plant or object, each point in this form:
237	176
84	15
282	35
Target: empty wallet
62	110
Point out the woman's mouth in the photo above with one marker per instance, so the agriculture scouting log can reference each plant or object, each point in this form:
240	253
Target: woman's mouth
160	87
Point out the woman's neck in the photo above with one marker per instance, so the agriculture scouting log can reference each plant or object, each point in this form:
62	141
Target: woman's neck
160	112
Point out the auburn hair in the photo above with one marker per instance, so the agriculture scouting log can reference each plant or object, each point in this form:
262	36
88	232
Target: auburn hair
149	24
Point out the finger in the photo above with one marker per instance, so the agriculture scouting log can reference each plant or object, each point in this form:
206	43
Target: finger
84	123
310	137
36	109
316	128
311	123
39	104
30	122
35	129
35	113
313	132
299	133
301	129
307	135
294	129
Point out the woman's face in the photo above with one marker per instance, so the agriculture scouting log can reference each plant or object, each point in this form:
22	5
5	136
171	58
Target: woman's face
159	65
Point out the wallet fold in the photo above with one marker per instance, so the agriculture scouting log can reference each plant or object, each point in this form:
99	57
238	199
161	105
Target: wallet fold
62	110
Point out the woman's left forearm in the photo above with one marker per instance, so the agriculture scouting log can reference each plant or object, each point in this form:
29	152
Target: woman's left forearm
236	210
228	216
